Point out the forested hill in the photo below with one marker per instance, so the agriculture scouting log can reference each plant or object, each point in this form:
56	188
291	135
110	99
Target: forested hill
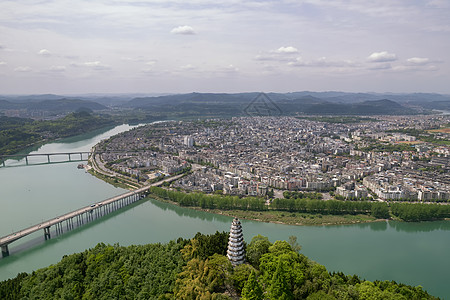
197	269
19	133
279	104
62	105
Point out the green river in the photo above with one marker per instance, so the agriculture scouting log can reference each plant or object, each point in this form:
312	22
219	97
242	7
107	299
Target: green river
411	253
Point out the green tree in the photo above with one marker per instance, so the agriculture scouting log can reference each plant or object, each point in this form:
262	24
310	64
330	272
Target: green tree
279	288
380	210
293	265
240	275
293	243
320	295
258	246
252	290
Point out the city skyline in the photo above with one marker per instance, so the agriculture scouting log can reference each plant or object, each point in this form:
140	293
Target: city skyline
239	46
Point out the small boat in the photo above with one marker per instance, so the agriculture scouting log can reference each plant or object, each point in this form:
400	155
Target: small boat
80	166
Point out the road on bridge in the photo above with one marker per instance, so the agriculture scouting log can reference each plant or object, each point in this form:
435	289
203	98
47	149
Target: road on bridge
46	224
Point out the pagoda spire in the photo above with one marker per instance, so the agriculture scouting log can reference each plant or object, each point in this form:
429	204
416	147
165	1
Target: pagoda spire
236	252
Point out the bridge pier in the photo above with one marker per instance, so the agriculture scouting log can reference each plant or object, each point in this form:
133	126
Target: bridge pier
78	218
26	160
48	158
69	157
47	233
5	251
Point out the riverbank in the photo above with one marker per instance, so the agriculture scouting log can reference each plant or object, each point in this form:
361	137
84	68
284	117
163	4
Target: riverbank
282	217
289	211
19	134
268	216
254	209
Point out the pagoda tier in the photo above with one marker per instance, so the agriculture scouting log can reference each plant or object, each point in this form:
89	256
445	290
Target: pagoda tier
235	252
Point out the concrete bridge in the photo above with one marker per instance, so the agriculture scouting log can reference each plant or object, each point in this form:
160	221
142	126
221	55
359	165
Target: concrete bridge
71	156
75	218
80	216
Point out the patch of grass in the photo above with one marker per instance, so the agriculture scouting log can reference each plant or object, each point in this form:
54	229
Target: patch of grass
297	218
283	217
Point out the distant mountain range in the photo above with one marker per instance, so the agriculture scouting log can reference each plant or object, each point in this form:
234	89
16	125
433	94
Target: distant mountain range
223	104
55	106
282	104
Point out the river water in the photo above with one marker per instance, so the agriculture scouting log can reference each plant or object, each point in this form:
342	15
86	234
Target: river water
411	253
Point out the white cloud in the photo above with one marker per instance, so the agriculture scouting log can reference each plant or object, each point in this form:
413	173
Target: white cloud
23	69
299	62
323	62
148	67
416	68
438	3
418	61
148	71
44	52
231	68
186	30
57	68
287	50
382	57
280	54
264	57
274	57
187	67
96	65
381	66
2	63
225	70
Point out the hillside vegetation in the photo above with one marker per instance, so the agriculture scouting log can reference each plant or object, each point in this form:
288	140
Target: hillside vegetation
19	133
241	104
197	269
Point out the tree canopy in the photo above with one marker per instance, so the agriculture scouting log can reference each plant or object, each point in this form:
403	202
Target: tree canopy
184	269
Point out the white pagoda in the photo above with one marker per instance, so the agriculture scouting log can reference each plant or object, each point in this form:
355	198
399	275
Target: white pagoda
236	252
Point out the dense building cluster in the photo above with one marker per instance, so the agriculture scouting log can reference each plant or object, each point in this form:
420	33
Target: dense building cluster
383	157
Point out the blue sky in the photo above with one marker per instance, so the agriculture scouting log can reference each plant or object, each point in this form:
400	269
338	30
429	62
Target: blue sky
115	46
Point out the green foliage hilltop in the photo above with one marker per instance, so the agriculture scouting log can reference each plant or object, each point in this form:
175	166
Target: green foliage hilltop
197	269
19	133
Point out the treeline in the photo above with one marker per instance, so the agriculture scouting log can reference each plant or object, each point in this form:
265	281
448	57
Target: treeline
416	201
422	135
222	202
339	120
332	207
380	210
197	269
420	212
305	205
301	195
386	147
19	133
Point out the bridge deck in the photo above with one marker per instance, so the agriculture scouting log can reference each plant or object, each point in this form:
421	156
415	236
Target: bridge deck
4	241
24	232
44	154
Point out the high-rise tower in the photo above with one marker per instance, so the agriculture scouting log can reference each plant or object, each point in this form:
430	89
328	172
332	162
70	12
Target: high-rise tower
235	252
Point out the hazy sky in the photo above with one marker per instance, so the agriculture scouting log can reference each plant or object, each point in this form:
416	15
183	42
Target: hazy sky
115	46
